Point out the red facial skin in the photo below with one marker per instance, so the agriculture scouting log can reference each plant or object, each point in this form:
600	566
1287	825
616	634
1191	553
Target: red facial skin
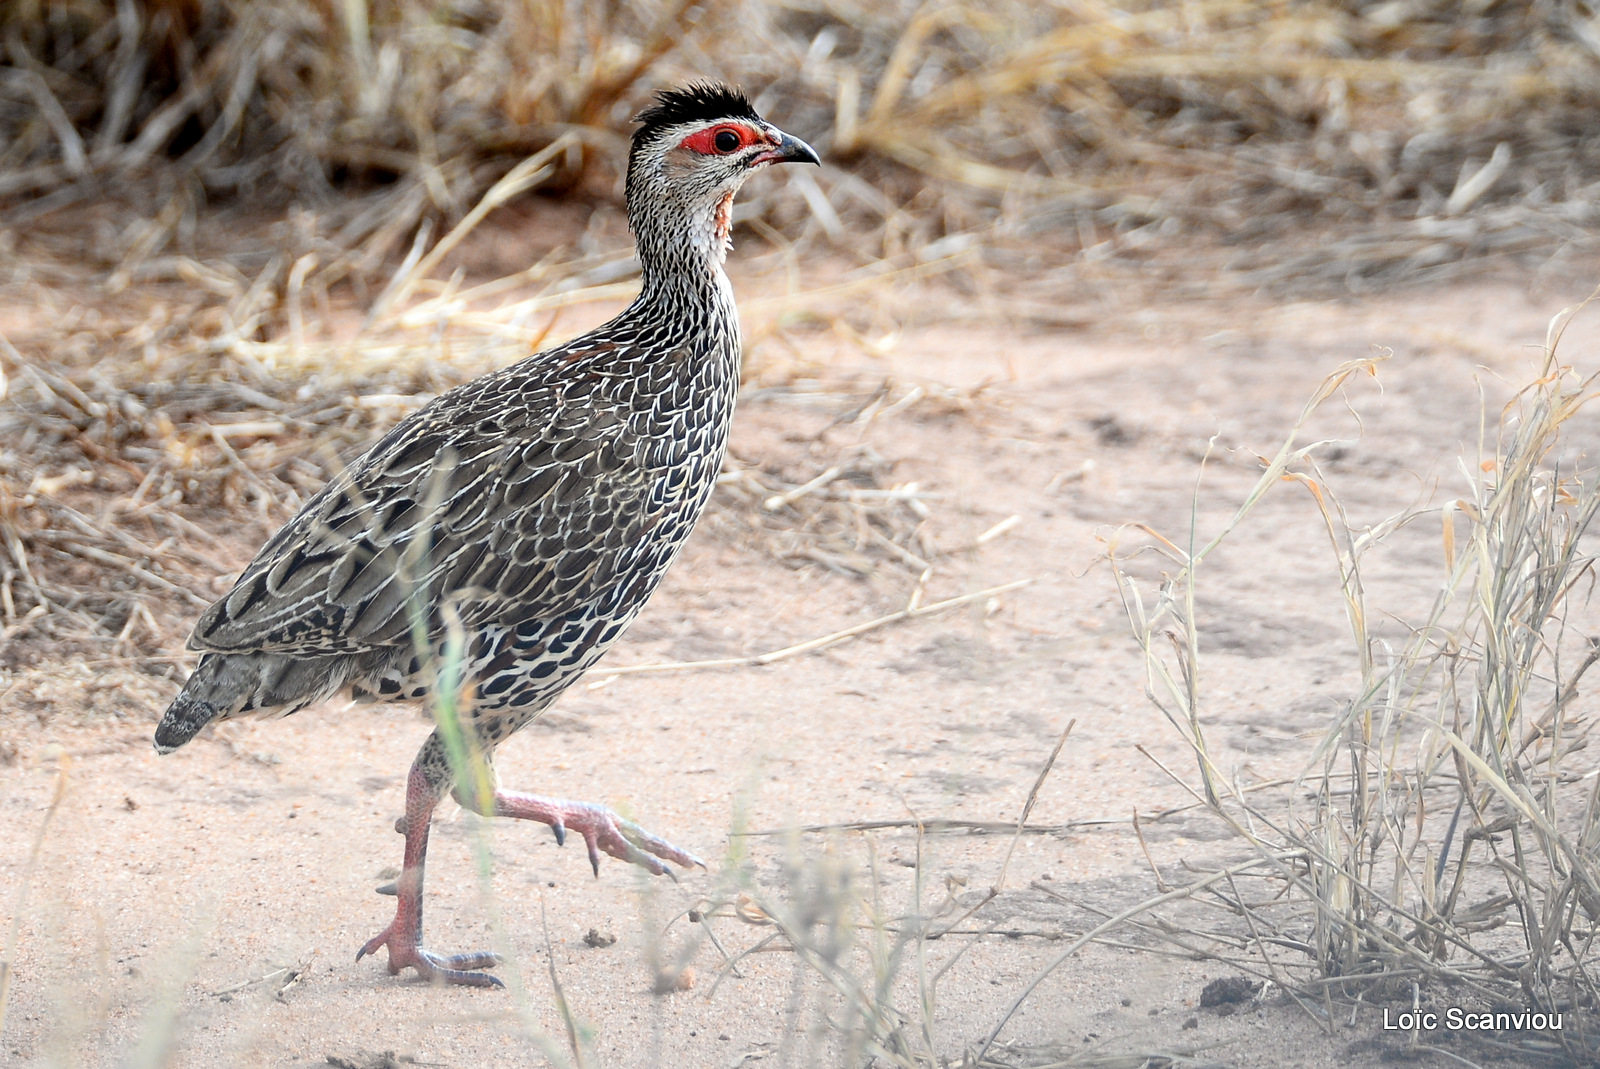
705	141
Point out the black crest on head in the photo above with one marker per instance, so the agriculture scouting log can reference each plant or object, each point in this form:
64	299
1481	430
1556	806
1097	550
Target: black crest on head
693	103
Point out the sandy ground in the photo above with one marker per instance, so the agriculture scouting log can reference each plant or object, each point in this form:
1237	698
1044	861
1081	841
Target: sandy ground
171	892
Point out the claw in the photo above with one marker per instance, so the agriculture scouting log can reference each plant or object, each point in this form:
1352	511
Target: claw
371	945
561	832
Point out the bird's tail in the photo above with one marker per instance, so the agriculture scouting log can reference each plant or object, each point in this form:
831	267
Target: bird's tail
215	688
225	685
183	720
191	710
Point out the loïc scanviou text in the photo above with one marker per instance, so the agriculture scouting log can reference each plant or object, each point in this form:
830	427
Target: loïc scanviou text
1456	1019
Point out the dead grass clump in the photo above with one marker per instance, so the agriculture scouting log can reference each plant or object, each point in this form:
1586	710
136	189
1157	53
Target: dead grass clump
1429	134
1439	847
208	99
863	990
110	490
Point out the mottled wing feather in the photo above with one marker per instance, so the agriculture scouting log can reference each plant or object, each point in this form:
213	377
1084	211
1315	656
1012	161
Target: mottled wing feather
527	513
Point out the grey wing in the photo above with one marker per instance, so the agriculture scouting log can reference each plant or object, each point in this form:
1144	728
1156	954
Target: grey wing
521	523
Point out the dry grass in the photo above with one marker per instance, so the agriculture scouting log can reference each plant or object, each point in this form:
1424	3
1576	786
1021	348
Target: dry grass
866	979
1428	133
1439	845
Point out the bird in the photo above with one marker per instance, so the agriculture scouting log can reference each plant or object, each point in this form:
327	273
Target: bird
488	549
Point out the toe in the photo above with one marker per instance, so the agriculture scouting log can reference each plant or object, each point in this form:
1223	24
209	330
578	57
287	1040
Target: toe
483	959
371	945
656	845
628	852
474	979
455	969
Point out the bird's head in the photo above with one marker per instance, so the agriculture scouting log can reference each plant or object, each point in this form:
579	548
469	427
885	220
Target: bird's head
693	150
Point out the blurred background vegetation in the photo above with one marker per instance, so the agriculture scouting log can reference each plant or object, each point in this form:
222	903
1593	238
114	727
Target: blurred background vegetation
1420	135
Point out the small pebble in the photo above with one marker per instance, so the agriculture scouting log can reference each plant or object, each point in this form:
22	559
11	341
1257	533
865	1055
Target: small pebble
667	982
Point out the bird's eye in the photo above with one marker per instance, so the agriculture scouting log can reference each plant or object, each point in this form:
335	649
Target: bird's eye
726	141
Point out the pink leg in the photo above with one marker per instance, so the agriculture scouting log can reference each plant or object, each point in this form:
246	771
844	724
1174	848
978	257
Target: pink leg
602	830
403	937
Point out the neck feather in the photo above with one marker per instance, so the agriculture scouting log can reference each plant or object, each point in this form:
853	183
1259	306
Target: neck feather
682	242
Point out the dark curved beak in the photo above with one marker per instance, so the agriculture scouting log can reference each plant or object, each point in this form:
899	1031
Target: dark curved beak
787	150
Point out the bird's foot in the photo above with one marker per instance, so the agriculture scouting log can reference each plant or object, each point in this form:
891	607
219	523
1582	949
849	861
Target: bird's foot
602	829
436	968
